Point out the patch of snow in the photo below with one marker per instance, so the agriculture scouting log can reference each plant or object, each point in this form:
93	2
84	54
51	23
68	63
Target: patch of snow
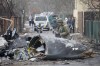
41	48
74	34
3	42
69	45
33	59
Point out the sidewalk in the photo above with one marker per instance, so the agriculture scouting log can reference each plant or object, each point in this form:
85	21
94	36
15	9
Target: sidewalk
27	28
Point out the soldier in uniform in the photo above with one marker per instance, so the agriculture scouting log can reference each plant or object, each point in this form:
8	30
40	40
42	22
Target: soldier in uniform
61	30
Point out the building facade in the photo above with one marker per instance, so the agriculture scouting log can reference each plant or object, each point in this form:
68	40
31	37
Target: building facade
84	8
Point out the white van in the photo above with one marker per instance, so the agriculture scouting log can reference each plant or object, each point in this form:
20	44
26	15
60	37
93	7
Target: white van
43	20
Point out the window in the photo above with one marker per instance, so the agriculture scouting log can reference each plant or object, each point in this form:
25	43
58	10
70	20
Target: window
41	18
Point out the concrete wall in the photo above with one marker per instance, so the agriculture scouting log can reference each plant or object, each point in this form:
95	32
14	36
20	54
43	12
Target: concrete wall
78	13
80	6
79	21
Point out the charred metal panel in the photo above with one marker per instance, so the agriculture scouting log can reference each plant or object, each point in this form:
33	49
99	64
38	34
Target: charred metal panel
58	47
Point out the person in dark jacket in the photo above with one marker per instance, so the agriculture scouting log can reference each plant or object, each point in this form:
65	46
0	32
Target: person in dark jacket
30	20
71	24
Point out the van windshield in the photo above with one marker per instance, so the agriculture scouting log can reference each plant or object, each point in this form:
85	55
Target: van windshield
40	19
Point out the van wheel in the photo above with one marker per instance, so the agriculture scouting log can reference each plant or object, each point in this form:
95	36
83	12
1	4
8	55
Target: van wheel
35	29
48	29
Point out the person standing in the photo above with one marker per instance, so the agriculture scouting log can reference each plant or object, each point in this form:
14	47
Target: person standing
30	20
73	24
32	23
70	23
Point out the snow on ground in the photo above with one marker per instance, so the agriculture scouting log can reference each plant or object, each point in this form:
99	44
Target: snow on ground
3	42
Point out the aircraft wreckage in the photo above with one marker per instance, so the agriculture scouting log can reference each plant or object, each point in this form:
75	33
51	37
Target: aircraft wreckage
56	48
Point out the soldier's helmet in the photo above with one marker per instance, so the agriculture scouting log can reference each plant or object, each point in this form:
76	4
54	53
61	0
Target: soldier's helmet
60	20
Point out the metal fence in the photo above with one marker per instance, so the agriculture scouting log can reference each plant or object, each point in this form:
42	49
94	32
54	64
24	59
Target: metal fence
92	30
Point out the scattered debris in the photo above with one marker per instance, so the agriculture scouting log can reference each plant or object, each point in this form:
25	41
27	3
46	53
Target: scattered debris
3	43
21	54
78	37
89	53
43	47
33	59
10	35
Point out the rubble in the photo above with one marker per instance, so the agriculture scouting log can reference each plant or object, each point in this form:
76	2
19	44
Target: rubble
33	59
3	43
21	54
45	47
10	35
78	37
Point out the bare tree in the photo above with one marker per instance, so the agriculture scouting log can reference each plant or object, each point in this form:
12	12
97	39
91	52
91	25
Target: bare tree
6	8
57	6
93	5
19	6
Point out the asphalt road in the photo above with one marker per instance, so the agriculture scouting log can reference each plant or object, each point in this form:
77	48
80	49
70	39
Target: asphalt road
95	61
77	62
